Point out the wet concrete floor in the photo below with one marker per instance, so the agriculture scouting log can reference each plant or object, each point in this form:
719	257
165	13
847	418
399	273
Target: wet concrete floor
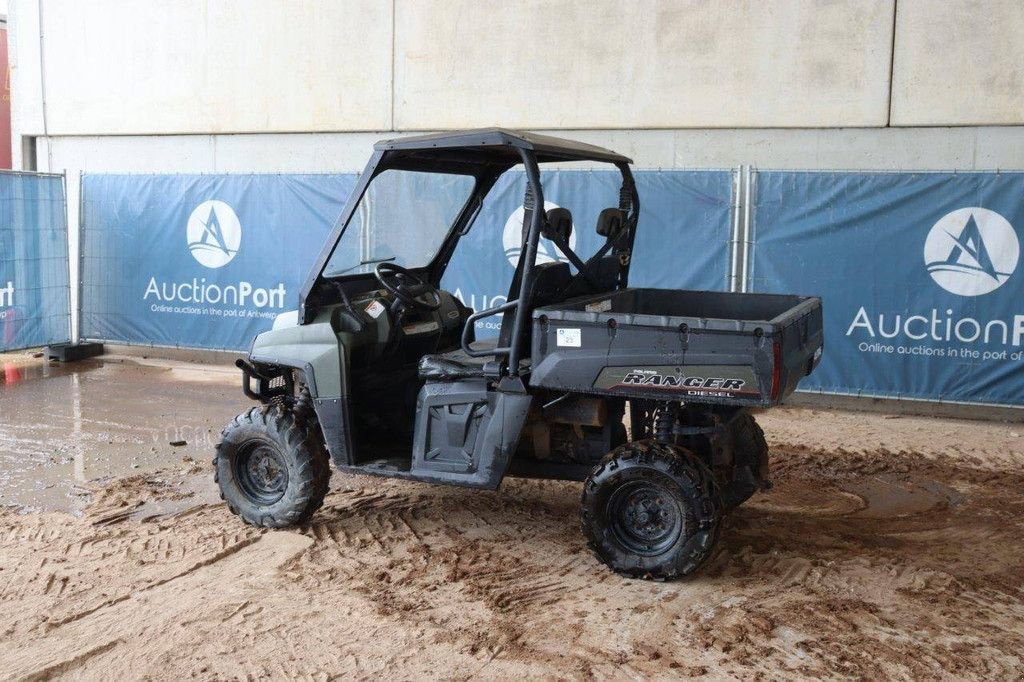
63	428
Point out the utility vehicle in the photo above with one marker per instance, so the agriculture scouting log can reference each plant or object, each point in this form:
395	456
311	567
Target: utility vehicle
642	394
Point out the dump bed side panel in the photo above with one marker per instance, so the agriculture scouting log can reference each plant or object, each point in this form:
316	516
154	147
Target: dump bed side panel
593	346
655	363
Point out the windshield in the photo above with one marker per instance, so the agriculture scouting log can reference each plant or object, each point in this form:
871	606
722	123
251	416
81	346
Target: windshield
402	218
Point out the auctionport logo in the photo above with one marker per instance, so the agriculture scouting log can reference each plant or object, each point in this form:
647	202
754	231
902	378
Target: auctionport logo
512	239
971	251
968	252
214	234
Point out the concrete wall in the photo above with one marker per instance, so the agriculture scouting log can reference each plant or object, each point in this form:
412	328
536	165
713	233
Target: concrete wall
644	64
190	66
131	67
958	62
199	66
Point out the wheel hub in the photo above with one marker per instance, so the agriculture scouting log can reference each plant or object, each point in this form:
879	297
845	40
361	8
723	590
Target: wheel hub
262	474
645	517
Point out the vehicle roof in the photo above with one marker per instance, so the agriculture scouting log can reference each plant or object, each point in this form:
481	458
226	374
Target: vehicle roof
547	148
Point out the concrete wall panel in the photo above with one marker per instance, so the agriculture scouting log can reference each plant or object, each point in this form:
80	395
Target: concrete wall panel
26	90
210	66
959	62
643	64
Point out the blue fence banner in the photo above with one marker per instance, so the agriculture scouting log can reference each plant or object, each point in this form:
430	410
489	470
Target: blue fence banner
919	273
207	261
202	261
682	241
35	307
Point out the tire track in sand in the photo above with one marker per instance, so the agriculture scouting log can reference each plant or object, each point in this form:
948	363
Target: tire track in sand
155	608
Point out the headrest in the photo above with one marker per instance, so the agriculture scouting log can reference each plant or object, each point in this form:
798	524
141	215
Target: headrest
610	222
559	222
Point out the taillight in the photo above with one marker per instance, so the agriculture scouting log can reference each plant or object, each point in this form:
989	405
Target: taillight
776	369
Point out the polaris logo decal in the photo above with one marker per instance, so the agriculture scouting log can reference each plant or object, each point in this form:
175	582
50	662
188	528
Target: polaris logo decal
705	381
971	251
214	234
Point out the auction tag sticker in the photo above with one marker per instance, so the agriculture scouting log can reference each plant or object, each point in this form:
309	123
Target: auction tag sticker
374	309
569	338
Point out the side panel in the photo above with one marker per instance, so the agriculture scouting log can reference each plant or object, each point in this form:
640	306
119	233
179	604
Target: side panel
732	349
654	363
465	434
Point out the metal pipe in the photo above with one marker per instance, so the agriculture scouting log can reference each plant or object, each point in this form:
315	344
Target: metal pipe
42	94
734	244
747	201
634	218
75	313
530	256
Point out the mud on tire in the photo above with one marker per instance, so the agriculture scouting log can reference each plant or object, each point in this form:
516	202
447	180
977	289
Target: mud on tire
272	467
651	511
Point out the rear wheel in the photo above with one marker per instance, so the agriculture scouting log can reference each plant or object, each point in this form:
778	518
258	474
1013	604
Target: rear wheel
749	471
651	511
272	470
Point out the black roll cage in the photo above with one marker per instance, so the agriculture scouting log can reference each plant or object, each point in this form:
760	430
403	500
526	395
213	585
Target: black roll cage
485	155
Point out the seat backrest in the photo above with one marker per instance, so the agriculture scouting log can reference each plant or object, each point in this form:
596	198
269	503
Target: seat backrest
549	279
610	222
558	221
605	271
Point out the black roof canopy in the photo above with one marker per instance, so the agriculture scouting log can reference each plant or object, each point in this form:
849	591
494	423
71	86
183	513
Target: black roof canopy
494	146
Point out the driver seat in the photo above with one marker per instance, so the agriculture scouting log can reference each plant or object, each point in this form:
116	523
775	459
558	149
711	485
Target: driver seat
457	364
548	285
549	280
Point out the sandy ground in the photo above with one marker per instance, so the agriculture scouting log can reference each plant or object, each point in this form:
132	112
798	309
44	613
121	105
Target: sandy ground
888	548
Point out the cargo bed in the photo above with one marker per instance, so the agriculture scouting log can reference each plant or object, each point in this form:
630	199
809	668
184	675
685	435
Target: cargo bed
666	344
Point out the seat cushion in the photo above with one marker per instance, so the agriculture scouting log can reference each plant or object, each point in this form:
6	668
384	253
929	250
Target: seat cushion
455	364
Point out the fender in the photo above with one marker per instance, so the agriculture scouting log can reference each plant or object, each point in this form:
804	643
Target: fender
316	350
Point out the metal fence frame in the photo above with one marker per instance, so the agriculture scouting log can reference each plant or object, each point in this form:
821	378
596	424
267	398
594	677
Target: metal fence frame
63	211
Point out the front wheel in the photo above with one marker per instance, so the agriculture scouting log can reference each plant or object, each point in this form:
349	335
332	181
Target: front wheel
651	511
272	471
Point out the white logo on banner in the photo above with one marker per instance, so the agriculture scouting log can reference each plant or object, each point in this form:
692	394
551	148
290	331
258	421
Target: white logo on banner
512	239
7	295
214	234
971	251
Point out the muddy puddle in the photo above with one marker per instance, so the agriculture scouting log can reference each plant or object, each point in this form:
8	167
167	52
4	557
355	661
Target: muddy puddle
66	428
879	496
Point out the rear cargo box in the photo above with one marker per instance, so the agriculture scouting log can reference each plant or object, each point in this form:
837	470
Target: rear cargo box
666	344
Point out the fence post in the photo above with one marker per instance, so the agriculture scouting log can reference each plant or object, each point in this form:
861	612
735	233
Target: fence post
734	237
747	231
77	323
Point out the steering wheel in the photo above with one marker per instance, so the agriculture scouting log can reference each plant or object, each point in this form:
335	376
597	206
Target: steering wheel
407	287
